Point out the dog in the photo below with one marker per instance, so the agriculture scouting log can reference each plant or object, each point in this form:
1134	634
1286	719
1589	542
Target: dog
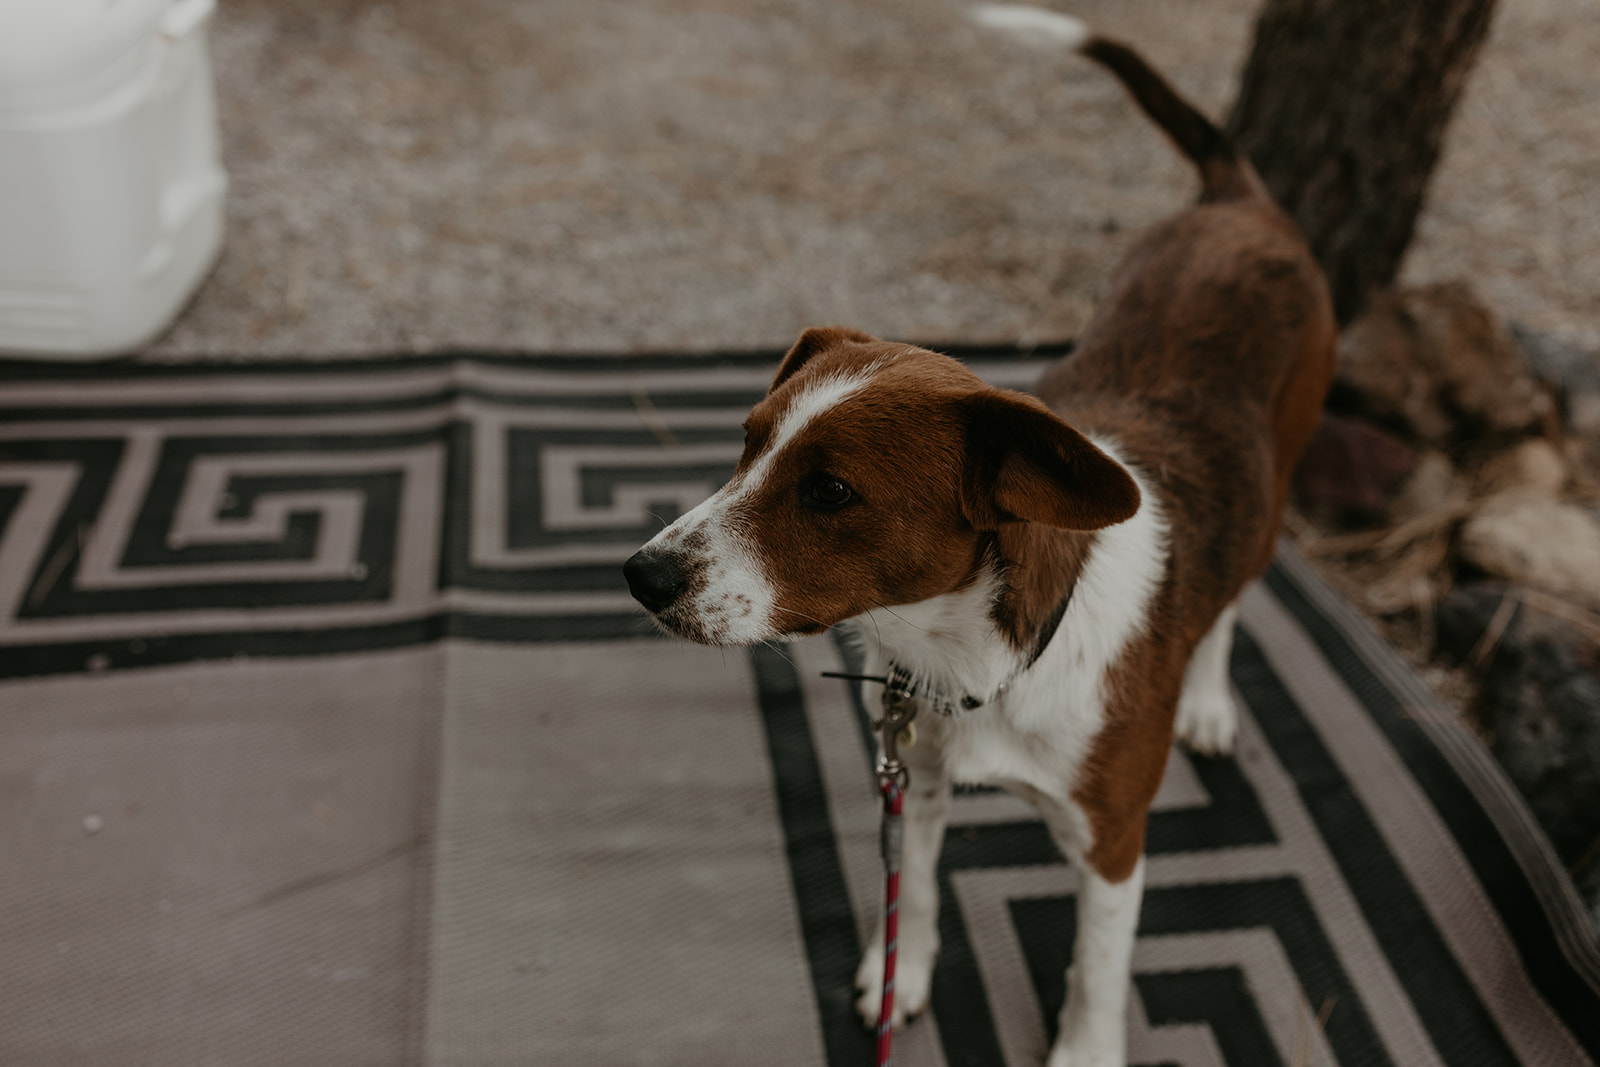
1059	575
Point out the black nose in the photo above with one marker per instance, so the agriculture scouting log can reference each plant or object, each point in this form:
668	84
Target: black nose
654	578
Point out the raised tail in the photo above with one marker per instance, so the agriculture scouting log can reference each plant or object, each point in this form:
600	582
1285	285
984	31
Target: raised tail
1225	174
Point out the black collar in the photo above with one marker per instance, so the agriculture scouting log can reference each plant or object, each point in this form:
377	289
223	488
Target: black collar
900	679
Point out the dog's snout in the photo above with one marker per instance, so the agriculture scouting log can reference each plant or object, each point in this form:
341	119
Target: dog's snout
654	578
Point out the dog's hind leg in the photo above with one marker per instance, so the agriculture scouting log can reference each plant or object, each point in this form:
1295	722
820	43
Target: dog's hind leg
927	809
1207	717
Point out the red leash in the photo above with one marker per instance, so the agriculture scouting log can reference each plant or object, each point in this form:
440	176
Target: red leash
893	777
893	797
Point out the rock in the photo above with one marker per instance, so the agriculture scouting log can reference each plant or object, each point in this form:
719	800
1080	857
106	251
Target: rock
1461	618
1351	469
1534	467
1435	362
1537	541
1566	368
1434	485
1540	700
1583	415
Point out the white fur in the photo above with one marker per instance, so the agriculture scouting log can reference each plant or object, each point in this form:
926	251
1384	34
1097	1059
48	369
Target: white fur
1207	718
736	603
1033	25
1032	739
948	643
1093	1031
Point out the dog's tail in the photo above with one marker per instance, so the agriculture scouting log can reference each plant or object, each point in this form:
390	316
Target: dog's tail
1225	173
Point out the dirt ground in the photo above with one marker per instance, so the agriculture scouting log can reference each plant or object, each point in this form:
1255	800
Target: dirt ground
701	174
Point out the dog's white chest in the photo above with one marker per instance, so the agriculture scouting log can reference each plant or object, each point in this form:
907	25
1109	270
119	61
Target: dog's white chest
1037	735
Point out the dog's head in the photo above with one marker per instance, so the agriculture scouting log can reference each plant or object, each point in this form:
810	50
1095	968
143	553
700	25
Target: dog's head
873	475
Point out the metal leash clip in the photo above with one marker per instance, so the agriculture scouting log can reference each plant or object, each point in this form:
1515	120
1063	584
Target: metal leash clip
895	725
895	728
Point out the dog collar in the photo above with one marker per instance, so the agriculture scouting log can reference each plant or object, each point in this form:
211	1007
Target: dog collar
947	706
901	682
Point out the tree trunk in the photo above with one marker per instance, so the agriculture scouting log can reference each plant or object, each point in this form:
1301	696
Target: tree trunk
1343	110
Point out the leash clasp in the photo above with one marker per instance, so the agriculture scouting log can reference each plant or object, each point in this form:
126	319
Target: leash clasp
898	711
895	725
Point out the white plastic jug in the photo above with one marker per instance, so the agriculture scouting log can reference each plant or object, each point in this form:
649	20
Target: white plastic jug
111	184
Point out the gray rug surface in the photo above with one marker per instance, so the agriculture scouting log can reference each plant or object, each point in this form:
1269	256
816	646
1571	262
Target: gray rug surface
329	735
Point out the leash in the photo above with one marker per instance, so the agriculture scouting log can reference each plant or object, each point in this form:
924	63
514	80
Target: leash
896	728
893	778
893	797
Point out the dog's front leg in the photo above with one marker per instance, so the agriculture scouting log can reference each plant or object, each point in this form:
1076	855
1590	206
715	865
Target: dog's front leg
1093	1027
926	810
1093	1021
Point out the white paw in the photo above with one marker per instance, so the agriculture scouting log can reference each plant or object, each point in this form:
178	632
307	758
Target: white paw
913	980
1207	724
1061	1056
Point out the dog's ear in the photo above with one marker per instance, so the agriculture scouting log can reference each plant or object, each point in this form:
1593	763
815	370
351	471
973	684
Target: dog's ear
1025	465
816	339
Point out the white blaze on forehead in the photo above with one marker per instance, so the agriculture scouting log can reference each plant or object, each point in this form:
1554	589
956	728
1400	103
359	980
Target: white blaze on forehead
737	602
814	400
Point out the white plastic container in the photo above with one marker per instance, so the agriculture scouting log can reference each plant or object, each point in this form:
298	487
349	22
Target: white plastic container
111	184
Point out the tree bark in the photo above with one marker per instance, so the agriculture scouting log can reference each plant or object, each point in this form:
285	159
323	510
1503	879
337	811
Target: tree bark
1343	110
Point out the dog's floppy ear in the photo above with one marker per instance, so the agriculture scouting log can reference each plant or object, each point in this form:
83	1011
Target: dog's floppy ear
1025	465
816	339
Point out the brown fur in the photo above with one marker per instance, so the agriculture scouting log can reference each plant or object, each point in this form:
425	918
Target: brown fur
948	472
1039	567
1208	364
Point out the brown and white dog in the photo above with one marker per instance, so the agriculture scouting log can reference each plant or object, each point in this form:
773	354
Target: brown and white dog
1060	575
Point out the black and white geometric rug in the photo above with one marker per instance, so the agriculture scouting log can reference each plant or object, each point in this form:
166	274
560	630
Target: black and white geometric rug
329	735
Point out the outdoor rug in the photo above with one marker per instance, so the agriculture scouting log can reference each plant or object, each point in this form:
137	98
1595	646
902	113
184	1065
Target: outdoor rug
330	736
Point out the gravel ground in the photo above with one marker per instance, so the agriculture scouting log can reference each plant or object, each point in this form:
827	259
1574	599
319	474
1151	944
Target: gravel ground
700	174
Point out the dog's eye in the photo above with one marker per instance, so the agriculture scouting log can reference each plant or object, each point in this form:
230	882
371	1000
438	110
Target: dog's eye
828	493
